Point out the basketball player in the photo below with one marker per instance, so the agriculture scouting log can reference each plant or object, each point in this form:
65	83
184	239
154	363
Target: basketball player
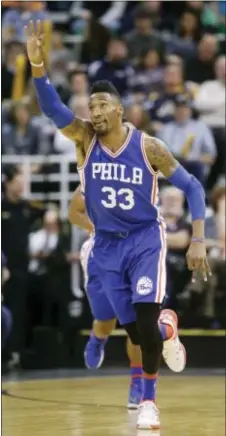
118	170
104	315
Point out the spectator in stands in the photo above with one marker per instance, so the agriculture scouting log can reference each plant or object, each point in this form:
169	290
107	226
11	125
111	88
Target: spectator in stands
204	61
143	37
78	102
115	67
14	19
188	33
137	116
178	240
213	16
215	240
96	39
79	87
190	140
20	135
60	56
161	105
148	75
49	278
195	6
12	51
18	215
210	102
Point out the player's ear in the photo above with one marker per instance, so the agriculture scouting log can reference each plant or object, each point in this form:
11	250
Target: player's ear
120	111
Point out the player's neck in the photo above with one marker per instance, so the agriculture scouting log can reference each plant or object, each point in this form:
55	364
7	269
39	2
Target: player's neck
115	139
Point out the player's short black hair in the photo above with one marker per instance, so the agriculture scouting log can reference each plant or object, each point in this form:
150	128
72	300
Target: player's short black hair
104	86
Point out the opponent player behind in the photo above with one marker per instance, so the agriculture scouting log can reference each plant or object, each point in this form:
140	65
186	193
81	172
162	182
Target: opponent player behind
104	315
118	170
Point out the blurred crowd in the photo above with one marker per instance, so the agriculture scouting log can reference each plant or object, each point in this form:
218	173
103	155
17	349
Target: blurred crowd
167	60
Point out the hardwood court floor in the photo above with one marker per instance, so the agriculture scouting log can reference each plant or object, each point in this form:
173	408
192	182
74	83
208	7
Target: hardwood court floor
189	406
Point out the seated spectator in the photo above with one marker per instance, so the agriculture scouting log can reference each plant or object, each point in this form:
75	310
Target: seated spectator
115	67
218	200
11	51
213	16
14	19
178	240
188	33
203	61
78	102
190	140
79	86
210	102
148	75
138	117
96	39
155	10
161	105
213	291
20	135
60	56
197	7
143	37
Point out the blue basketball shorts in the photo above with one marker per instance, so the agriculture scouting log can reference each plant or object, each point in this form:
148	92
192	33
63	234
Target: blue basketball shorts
132	268
99	304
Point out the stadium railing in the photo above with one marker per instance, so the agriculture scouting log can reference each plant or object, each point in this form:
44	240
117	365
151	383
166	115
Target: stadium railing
57	172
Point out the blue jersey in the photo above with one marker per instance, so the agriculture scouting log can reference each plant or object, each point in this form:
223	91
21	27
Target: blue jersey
121	189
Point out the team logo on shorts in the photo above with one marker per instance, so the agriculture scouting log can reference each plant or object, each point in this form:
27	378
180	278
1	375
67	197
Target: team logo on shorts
144	286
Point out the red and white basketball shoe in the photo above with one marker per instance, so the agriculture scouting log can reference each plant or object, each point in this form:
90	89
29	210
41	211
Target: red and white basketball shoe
174	352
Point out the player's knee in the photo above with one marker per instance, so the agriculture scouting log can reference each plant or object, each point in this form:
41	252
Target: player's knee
147	324
132	332
150	337
104	328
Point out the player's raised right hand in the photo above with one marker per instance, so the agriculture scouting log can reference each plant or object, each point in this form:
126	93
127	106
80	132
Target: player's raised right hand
34	39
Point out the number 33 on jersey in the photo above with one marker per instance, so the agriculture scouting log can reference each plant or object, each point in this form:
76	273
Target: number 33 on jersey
121	191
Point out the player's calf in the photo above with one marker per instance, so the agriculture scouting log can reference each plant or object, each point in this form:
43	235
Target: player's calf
136	373
151	347
94	350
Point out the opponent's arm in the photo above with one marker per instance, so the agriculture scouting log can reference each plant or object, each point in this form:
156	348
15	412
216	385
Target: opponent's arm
77	212
160	158
49	100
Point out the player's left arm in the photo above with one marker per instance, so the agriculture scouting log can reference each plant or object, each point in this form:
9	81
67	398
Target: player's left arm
160	158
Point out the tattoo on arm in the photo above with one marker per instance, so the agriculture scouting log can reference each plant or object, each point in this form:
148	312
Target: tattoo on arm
75	131
81	132
159	156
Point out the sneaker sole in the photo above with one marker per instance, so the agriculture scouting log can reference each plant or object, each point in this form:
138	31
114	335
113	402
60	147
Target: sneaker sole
99	363
132	406
175	320
148	427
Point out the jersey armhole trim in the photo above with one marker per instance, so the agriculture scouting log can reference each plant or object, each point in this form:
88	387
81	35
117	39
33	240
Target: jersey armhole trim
89	149
143	151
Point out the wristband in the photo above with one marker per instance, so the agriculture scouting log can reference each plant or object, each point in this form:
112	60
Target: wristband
198	240
37	65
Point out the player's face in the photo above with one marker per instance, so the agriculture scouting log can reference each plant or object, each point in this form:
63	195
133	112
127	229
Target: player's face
105	112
